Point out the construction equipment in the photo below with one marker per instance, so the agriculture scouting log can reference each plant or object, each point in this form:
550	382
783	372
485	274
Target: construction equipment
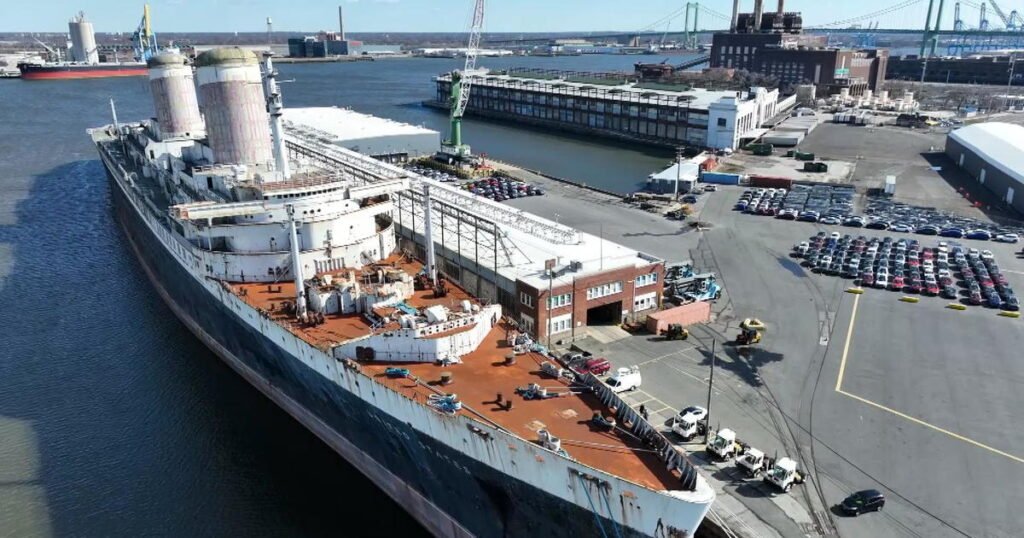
723	445
752	462
462	81
706	289
675	331
784	474
750	332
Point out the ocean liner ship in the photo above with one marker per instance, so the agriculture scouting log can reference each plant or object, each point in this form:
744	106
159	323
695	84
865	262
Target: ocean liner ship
281	254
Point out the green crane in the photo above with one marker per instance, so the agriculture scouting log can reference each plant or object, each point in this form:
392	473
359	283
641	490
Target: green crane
462	81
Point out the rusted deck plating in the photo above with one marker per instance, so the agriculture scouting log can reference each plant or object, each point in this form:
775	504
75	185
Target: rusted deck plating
478	381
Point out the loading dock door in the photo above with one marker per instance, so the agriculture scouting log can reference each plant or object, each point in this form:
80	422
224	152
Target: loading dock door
609	314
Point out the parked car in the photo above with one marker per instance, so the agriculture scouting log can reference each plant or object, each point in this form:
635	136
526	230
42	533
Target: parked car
1007	238
981	235
869	500
952	232
856	222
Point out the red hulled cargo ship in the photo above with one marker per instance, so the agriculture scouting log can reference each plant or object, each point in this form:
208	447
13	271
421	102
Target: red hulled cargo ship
48	71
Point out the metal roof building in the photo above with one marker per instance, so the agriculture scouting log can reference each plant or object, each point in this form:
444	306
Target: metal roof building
377	137
993	154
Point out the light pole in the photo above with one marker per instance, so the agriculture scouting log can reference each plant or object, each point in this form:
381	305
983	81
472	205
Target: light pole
1009	81
711	383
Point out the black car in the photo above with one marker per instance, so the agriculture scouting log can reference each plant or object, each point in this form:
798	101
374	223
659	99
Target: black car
869	500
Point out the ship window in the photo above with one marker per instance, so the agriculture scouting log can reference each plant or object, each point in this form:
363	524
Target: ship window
209	183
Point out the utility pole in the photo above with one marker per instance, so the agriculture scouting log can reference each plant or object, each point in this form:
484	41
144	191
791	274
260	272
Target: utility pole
679	174
711	383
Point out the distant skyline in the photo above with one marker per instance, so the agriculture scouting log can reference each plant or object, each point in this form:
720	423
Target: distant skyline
436	15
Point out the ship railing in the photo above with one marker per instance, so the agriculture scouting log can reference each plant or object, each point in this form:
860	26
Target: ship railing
643	430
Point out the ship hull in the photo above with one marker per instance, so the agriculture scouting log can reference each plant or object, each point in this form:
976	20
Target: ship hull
73	71
448	492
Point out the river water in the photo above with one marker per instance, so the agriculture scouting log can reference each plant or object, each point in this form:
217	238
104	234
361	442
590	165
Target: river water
114	419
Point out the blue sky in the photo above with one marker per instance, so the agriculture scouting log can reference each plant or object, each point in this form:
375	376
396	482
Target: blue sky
430	15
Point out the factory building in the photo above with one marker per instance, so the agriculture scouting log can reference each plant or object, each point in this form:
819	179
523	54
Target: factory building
993	154
553	280
381	138
609	106
772	44
326	44
988	69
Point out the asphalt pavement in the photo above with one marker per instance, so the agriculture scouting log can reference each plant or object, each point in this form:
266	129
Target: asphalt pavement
926	405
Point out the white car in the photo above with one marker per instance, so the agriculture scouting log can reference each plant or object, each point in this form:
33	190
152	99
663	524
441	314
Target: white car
693	413
1007	238
882	280
987	255
835	235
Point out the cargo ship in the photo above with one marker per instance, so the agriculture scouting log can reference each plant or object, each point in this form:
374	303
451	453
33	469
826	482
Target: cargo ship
84	58
290	259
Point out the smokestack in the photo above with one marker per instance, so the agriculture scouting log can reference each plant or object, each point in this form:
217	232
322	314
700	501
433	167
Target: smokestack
782	8
758	13
428	237
341	23
735	15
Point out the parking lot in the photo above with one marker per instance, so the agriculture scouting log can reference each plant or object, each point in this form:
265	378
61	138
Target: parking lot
915	399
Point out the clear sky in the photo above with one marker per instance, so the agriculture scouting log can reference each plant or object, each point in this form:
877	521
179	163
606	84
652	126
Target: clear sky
436	15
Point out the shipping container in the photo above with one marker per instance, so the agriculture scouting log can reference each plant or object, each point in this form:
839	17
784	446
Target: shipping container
720	178
771	182
698	312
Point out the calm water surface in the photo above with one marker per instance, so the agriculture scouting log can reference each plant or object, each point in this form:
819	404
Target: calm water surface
114	420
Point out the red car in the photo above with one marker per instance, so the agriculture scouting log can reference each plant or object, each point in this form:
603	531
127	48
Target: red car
932	288
598	366
897	283
867	278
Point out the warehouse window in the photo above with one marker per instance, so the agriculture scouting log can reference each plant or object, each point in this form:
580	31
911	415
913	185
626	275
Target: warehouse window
646	280
560	324
525	298
721	122
645	302
604	290
558	301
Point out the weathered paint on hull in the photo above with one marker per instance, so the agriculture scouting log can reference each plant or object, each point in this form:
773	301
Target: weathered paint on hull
448	492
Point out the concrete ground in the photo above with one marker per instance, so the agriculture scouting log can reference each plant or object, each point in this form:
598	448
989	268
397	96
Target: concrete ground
778	165
864	391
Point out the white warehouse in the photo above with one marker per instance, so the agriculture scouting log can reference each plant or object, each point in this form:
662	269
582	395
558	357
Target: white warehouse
382	138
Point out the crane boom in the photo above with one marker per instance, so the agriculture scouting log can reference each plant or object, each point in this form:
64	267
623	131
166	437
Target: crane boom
1007	21
471	53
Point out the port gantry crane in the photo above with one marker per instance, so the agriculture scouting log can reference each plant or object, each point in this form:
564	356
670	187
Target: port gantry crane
1012	21
462	82
144	40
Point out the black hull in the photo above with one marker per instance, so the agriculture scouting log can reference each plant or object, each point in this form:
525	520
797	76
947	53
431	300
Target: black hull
448	492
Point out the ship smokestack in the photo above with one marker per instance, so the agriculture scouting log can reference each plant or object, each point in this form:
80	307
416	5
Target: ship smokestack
782	8
174	97
237	123
300	291
735	15
758	14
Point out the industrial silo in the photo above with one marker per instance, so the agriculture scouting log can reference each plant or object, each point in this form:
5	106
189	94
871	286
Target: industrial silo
83	40
174	96
237	123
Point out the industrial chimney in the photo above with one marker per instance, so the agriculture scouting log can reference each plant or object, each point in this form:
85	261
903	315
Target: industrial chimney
341	24
735	15
781	10
758	14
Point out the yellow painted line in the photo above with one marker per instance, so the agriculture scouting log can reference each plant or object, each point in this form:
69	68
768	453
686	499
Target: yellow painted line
908	299
933	427
846	347
839	389
956	306
857	290
1008	314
